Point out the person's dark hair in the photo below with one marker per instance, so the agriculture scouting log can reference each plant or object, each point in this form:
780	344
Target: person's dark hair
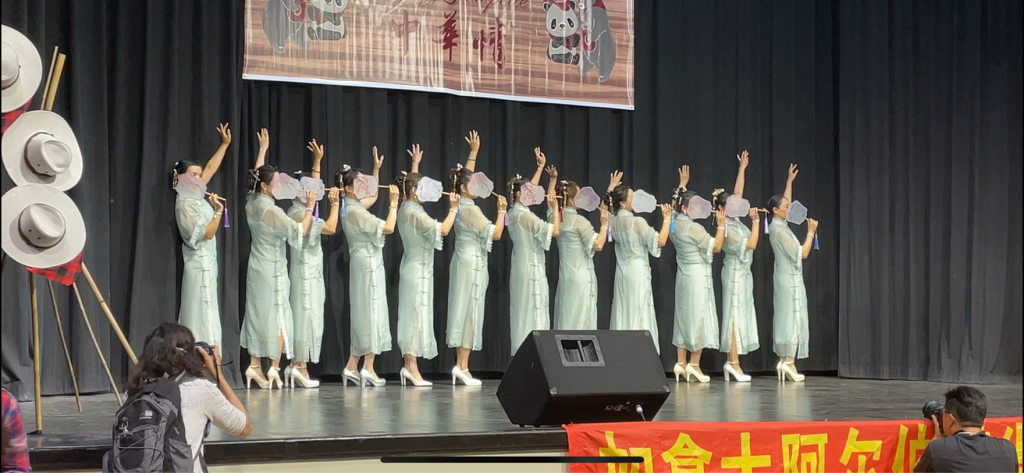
681	198
721	199
514	186
406	182
346	176
459	176
297	175
566	191
775	202
967	405
179	168
169	350
263	174
616	197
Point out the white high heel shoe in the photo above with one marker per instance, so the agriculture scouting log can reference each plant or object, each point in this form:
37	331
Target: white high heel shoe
458	374
349	375
274	377
405	375
729	370
370	378
252	374
690	371
787	370
295	375
679	370
287	375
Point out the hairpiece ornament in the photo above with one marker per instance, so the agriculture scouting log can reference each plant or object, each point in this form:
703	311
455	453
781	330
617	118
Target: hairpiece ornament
717	192
174	176
345	168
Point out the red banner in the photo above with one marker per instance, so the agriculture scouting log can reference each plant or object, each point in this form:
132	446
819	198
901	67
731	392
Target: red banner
866	446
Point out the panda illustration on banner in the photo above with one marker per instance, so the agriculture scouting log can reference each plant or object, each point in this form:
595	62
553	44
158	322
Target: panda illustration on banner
294	20
326	19
588	32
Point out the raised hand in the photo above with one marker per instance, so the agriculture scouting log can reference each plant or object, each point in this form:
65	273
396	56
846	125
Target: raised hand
378	160
541	159
474	141
720	217
552	172
666	211
334	195
453	199
393	194
684	176
793	171
415	153
317	149
552	202
755	214
225	133
812	225
310	199
605	216
215	201
744	159
264	137
615	180
502	203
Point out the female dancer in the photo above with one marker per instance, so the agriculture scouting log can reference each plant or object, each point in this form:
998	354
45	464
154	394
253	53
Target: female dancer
467	287
576	295
633	302
371	331
198	221
267	326
739	319
790	324
306	273
421	236
696	317
531	237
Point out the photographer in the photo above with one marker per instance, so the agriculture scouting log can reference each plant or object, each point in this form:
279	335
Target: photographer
171	350
960	444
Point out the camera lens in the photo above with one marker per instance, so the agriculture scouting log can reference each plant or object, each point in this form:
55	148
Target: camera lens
931	408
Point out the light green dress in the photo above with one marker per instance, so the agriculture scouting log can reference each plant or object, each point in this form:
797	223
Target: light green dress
368	298
528	283
200	310
306	272
738	290
633	301
467	284
421	237
790	322
576	295
696	317
268	312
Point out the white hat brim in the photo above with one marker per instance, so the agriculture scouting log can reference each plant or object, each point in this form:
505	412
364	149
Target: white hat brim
18	134
19	93
15	201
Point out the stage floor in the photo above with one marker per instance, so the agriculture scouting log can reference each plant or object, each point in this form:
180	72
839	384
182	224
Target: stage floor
335	421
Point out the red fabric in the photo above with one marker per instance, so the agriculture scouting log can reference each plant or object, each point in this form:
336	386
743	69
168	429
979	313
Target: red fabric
854	446
9	117
64	274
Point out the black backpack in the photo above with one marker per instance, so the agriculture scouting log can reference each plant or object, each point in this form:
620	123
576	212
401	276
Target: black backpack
149	432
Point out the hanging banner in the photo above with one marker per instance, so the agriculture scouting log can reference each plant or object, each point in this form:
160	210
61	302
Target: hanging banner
577	52
864	446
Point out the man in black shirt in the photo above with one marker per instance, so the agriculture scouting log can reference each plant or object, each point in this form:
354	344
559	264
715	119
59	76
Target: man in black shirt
965	447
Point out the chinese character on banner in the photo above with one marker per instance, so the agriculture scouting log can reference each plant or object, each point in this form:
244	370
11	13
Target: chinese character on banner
746	462
804	453
495	39
404	29
449	33
686	456
903	462
611	451
862	449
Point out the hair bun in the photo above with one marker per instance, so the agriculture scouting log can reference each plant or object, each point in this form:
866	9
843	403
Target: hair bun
345	168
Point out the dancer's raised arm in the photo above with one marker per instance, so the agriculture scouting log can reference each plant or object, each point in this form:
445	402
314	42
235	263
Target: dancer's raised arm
318	155
541	161
331	224
744	159
417	155
499	222
474	147
789	182
264	138
218	156
552	179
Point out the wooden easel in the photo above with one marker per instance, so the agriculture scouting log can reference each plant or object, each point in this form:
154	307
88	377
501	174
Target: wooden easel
49	94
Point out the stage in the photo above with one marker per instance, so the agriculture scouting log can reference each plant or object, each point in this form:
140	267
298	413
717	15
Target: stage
335	422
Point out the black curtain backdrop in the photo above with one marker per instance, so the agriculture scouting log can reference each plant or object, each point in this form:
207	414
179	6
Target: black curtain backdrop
147	82
929	163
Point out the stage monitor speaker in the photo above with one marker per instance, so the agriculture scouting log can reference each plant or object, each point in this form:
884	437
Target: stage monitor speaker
581	376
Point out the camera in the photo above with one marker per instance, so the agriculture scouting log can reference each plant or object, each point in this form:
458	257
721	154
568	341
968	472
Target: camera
933	408
209	350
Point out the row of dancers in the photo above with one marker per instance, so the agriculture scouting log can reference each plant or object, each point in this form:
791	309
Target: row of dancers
285	299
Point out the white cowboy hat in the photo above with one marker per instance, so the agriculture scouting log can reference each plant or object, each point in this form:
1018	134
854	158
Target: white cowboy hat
41	226
40	148
22	69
